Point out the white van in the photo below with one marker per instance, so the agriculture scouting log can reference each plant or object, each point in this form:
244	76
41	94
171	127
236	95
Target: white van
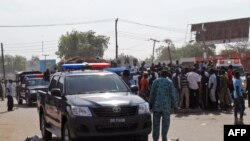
237	66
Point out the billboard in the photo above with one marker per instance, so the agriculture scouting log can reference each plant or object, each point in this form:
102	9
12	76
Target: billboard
222	31
50	64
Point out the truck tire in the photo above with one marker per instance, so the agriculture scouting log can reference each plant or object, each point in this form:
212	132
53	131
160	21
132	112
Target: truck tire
28	101
19	100
66	133
142	138
46	135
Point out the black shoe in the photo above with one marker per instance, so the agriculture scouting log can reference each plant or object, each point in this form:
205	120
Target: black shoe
236	121
240	122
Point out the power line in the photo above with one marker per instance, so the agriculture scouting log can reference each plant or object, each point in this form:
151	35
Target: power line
31	46
59	24
25	43
156	27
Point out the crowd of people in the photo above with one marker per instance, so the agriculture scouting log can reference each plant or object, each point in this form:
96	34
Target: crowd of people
201	86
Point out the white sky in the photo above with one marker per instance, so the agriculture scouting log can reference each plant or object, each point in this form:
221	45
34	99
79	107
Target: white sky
175	15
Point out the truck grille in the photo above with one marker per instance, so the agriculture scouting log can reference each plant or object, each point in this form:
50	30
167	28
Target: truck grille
109	112
115	127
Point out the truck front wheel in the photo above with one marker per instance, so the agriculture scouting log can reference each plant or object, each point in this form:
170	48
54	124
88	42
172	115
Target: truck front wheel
19	100
28	101
66	133
45	133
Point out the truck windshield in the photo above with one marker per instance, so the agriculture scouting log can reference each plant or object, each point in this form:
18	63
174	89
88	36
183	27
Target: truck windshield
37	82
87	84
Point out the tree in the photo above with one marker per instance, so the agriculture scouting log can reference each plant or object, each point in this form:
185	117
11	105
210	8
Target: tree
14	63
240	47
186	51
163	54
85	44
19	63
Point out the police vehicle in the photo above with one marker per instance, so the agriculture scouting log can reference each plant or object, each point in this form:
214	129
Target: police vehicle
28	83
83	104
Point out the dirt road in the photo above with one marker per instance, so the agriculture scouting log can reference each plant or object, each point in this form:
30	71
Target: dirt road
18	124
23	122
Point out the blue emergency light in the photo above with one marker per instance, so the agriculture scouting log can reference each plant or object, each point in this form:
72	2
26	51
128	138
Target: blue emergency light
74	66
115	70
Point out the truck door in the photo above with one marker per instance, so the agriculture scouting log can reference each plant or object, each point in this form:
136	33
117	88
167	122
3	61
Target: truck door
57	102
50	102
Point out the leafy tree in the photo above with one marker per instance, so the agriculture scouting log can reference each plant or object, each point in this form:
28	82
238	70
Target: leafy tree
85	44
13	63
34	58
19	63
240	47
188	50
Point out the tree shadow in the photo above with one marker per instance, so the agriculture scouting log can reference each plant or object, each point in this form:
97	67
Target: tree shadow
17	106
189	112
4	112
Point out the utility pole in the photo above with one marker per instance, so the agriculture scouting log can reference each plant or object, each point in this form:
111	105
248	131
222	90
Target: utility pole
42	47
154	40
3	62
169	53
116	40
45	55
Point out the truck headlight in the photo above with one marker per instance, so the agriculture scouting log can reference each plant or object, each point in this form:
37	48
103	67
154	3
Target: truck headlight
33	91
81	111
143	108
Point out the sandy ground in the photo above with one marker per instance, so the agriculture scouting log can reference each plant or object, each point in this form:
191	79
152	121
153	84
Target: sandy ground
201	126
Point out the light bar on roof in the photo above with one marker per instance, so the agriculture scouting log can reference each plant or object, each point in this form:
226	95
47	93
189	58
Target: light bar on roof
74	66
115	70
33	75
100	65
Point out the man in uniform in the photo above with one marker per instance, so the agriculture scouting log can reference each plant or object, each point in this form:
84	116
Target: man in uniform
162	98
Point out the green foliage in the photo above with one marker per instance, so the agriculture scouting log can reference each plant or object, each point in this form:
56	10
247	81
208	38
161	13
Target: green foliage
85	44
240	47
13	63
189	50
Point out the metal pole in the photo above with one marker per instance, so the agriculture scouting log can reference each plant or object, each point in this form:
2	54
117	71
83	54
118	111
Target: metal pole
3	62
116	40
153	49
45	61
170	58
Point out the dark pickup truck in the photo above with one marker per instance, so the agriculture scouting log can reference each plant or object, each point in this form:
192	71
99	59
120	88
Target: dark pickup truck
92	104
27	85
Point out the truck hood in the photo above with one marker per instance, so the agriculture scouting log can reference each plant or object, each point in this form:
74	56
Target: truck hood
104	99
37	87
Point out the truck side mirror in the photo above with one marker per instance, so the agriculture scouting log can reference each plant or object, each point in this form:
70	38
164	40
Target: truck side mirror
56	92
134	88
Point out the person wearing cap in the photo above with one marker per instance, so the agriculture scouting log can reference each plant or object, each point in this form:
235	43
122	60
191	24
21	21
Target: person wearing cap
9	94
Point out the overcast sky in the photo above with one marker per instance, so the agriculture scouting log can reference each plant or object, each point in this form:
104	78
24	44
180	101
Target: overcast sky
174	15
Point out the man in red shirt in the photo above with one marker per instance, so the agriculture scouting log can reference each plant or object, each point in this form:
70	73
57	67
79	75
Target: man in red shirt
144	93
230	78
